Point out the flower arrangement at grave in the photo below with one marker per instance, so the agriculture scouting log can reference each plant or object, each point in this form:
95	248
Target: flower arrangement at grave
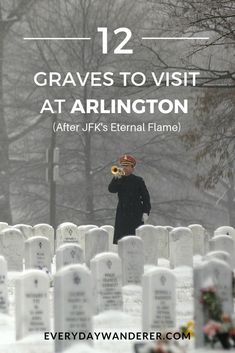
220	326
188	328
159	347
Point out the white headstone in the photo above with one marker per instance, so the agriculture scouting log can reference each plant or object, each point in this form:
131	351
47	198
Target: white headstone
25	229
106	272
148	234
82	229
219	254
131	252
224	243
200	239
67	232
3	225
159	300
213	273
32	303
225	230
184	295
163	242
96	241
73	303
69	254
38	253
3	286
12	248
45	230
110	230
181	247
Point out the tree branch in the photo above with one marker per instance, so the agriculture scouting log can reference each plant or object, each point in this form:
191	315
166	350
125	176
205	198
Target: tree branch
18	135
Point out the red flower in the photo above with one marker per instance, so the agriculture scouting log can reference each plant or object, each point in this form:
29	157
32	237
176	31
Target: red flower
211	328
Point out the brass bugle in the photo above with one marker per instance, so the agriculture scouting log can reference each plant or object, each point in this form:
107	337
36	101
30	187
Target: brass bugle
118	171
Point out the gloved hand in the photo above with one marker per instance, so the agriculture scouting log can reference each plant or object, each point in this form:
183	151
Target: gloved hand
145	217
117	176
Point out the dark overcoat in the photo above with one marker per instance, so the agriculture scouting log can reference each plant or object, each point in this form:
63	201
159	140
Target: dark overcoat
133	201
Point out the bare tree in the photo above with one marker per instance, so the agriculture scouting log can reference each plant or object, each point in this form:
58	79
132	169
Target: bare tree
212	138
85	159
10	14
185	18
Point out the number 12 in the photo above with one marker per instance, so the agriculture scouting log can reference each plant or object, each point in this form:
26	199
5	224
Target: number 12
120	48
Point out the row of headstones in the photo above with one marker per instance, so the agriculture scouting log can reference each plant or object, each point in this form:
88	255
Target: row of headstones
178	246
80	293
66	232
77	289
69	232
182	243
42	229
131	257
14	239
158	240
38	250
194	240
13	243
130	250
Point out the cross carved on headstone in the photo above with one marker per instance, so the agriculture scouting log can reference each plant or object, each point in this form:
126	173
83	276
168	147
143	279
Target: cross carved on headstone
72	254
109	264
76	279
163	280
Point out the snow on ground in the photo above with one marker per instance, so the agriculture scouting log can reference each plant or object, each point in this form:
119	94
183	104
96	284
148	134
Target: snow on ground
129	320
